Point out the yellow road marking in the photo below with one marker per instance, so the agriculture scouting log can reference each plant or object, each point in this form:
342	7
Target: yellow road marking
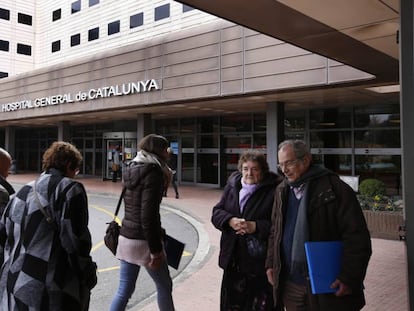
100	243
108	269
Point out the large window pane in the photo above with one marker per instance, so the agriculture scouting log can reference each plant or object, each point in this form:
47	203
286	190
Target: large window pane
236	123
339	163
295	124
188	125
330	118
207	168
330	139
166	126
377	138
207	141
377	116
386	168
208	125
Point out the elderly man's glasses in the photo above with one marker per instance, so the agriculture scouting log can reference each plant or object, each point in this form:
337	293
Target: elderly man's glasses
288	164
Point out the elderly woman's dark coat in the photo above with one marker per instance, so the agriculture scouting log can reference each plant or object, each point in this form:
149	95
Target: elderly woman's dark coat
233	247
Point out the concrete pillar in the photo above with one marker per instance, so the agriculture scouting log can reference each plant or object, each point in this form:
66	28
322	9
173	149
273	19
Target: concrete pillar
275	131
64	131
144	125
407	131
10	140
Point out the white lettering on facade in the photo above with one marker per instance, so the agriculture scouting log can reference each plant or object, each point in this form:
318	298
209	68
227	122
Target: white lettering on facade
102	92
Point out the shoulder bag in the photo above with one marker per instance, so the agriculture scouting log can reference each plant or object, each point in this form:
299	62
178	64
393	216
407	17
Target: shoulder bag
112	231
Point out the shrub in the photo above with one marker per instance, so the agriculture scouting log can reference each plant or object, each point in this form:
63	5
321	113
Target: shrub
372	187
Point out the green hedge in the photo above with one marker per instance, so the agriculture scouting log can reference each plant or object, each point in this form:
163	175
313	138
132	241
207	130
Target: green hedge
372	187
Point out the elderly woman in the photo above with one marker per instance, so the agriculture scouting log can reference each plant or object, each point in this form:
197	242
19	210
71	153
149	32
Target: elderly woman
243	216
46	241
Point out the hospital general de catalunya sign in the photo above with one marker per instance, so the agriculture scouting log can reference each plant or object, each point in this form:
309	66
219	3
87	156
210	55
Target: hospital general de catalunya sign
92	94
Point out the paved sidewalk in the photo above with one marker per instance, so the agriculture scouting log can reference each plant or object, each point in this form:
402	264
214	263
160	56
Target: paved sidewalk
198	288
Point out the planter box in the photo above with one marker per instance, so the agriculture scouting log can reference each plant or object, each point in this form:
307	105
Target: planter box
384	225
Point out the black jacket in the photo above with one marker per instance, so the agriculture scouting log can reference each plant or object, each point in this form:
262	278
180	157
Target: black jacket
258	208
144	188
333	213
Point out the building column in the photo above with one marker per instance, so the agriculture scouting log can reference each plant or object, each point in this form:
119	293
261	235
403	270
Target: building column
10	140
275	131
407	130
144	125
64	131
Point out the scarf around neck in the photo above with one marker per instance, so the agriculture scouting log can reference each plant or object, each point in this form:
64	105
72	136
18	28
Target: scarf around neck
147	157
301	231
245	193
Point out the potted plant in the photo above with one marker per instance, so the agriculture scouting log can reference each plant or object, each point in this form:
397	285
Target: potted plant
383	213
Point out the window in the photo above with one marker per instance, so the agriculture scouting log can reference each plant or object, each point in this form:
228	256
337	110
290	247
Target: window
57	14
3	74
93	34
187	8
93	2
76	6
113	27
136	20
75	40
162	12
55	46
24	19
4	45
4	14
24	49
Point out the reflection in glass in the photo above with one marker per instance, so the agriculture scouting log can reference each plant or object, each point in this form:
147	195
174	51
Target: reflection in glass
339	163
377	138
259	122
330	118
330	139
377	116
259	141
236	123
383	167
208	125
187	168
207	141
207	168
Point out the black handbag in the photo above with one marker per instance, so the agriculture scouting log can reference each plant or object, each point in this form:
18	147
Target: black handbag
112	231
256	247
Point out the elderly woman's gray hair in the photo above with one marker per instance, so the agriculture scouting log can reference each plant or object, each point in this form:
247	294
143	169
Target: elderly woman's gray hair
254	156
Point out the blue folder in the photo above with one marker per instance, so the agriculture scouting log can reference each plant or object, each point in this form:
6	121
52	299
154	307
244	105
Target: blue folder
324	264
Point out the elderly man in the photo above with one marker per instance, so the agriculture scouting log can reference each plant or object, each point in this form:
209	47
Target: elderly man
313	204
5	188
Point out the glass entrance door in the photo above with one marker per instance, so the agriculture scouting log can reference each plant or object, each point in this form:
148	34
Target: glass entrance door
126	142
111	146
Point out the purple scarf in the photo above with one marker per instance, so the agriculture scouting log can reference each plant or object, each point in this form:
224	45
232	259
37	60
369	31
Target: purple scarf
245	193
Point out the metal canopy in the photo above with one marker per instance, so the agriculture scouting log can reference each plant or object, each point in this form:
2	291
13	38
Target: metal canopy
362	34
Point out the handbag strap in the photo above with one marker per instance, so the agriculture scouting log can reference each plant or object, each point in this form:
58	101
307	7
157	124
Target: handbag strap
119	202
